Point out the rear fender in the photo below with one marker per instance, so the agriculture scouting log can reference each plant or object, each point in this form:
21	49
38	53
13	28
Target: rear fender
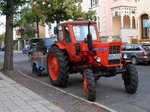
59	45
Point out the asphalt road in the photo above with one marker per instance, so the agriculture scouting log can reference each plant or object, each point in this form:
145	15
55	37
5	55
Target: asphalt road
110	91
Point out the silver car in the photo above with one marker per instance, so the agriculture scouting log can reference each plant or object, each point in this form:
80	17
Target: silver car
138	53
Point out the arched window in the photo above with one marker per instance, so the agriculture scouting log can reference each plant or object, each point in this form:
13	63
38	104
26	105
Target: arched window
145	31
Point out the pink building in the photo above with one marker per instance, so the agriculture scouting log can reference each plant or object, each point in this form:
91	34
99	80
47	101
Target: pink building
115	17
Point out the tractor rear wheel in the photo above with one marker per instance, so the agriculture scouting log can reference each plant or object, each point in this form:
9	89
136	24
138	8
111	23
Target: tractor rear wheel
57	65
89	84
130	79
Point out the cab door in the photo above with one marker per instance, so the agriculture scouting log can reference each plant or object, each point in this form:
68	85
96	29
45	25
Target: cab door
70	44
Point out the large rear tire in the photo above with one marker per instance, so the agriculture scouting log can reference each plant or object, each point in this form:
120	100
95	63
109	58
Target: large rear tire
58	68
130	79
89	84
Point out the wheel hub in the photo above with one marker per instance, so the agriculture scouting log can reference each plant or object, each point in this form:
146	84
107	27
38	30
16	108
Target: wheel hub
53	67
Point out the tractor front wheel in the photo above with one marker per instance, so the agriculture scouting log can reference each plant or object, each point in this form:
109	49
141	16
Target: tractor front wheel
89	84
130	79
57	65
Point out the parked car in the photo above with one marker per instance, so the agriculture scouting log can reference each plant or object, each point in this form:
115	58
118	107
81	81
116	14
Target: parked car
138	53
25	49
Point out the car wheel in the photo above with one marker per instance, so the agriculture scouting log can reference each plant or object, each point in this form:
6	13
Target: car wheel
134	60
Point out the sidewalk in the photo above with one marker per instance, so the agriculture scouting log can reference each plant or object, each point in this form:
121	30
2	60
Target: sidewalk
16	98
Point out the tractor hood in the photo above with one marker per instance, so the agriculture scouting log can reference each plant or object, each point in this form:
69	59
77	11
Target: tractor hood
109	52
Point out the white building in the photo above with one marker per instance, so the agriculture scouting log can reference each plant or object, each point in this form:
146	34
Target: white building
115	17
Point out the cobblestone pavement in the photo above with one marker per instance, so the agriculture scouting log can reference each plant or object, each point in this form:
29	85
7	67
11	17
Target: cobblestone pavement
16	98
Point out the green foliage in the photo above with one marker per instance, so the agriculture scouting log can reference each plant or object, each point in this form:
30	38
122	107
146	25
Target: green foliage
28	19
17	4
2	37
60	10
89	15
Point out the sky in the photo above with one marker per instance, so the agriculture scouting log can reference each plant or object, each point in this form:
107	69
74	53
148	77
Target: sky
2	20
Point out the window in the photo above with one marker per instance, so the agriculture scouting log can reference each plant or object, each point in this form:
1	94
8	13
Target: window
80	32
145	31
60	33
136	48
146	47
129	48
67	34
94	3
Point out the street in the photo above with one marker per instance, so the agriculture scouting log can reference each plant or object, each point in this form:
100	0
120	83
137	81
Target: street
110	91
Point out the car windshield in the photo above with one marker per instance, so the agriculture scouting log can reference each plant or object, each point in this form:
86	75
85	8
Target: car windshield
146	47
80	32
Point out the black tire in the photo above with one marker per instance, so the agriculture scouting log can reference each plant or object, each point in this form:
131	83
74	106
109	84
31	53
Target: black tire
36	70
63	71
39	72
130	79
90	91
134	60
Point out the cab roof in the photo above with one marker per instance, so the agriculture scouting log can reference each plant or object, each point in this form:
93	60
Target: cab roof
77	22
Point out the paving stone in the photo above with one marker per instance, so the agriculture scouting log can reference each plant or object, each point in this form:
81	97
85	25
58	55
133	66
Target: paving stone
19	110
16	98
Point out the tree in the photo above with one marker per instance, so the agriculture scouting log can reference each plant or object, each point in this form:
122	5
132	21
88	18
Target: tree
8	8
25	20
29	18
58	10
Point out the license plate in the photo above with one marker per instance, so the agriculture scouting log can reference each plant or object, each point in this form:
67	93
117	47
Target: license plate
114	56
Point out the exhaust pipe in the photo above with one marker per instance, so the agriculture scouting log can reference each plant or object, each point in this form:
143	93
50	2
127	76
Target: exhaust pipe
89	38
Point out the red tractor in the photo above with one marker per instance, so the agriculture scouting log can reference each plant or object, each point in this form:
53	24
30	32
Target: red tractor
79	49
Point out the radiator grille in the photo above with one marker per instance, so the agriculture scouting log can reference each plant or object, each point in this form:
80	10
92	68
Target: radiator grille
114	49
116	61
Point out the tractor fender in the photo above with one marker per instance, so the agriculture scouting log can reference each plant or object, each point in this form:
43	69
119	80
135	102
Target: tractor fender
59	45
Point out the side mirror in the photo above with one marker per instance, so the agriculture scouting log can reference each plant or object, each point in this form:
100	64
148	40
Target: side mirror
55	30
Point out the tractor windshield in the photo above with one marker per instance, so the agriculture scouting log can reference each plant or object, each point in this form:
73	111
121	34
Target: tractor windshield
80	32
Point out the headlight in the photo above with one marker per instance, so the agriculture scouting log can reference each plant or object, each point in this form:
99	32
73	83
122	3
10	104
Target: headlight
98	59
125	56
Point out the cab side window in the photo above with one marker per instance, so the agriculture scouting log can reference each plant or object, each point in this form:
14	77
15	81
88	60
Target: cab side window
67	34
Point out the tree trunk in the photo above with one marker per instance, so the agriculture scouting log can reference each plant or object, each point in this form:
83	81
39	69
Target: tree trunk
57	21
8	58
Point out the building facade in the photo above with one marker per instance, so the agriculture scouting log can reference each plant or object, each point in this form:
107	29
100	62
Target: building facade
115	17
143	14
